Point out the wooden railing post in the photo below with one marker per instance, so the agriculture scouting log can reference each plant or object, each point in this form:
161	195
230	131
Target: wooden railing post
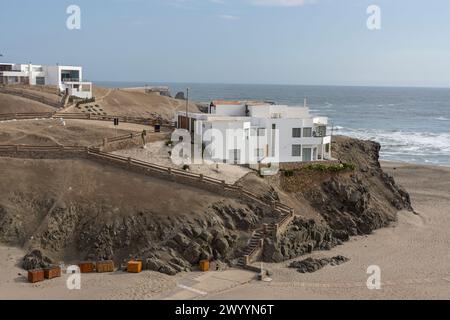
273	204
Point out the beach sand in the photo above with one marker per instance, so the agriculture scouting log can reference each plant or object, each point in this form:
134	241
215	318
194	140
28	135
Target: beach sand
413	255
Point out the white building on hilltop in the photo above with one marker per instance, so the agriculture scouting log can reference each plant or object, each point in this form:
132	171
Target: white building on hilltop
68	79
288	134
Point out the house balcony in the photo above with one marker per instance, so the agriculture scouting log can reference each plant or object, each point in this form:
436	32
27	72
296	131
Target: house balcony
70	80
315	140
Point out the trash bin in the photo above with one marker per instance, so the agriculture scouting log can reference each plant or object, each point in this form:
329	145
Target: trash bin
157	128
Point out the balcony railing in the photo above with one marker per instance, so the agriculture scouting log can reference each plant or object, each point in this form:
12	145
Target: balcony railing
70	80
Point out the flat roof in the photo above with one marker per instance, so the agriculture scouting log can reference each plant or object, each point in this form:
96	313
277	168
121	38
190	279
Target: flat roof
226	102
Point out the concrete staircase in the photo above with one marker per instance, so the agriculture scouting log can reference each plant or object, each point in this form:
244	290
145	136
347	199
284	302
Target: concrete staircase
256	242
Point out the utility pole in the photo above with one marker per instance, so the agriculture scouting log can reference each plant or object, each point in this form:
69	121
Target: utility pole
187	101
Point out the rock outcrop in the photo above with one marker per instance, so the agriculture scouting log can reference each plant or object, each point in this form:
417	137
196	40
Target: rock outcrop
180	96
310	265
35	259
351	202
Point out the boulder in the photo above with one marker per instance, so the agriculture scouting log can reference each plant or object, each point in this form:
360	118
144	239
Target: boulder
193	253
35	259
221	245
310	265
180	96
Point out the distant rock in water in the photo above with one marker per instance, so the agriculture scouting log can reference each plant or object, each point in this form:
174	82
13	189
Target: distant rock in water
310	265
180	96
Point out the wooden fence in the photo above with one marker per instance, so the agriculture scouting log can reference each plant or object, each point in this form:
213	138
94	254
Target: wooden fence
181	176
83	116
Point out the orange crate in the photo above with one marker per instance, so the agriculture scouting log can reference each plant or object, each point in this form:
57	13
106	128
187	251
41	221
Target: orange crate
204	265
105	266
86	267
134	266
52	272
36	275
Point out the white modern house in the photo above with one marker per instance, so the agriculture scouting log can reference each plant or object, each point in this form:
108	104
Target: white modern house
258	130
68	79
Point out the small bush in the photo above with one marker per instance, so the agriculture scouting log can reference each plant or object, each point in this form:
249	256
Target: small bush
288	173
335	167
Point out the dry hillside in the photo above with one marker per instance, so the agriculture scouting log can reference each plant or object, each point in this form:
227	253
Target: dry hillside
131	102
50	132
15	104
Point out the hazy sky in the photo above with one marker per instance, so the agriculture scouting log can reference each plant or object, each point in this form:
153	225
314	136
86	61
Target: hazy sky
235	41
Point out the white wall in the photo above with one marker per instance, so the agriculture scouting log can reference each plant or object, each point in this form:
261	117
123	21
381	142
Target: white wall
53	76
283	111
230	110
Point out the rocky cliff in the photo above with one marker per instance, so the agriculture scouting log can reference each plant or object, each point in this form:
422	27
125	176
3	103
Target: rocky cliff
72	210
353	200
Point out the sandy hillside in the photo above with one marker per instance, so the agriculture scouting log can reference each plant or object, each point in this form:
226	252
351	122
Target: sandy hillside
51	132
131	102
15	104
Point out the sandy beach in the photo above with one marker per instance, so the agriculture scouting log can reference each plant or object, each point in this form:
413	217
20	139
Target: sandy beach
413	255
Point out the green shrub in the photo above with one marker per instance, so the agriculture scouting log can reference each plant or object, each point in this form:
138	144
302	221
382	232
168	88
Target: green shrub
288	173
335	167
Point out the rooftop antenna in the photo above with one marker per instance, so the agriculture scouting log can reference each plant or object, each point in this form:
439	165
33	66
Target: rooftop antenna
187	103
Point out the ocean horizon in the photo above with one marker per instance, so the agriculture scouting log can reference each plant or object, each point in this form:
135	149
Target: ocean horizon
412	124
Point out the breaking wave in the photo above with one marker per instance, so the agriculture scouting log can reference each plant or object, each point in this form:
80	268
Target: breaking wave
420	147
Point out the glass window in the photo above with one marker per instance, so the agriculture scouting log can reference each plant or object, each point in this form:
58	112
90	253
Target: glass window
296	150
259	152
307	132
296	132
261	132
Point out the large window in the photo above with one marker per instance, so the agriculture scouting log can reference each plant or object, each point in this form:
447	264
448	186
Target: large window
296	150
40	81
296	132
307	132
259	152
261	132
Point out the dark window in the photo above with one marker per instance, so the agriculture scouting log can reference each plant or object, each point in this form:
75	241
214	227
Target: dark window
296	132
296	150
307	132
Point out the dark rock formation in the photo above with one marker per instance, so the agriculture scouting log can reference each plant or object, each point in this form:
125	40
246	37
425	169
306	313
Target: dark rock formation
303	236
180	96
351	202
35	259
310	265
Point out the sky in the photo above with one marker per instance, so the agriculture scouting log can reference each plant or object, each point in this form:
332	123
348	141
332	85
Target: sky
311	42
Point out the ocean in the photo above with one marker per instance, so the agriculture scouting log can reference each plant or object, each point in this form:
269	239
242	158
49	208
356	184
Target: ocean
411	124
